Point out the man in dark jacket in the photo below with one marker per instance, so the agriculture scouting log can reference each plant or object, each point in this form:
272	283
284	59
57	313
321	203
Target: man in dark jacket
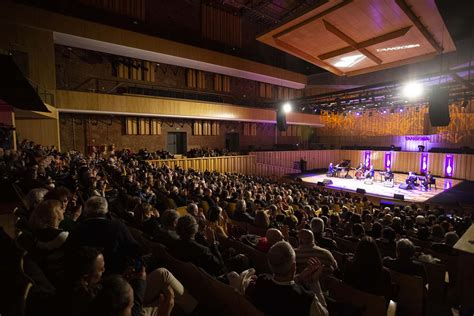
189	250
404	262
112	236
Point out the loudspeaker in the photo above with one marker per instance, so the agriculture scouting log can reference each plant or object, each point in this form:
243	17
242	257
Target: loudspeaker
399	196
348	176
281	121
439	108
327	181
405	186
320	184
361	191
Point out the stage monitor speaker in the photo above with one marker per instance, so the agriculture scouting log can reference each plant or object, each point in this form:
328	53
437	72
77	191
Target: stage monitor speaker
405	186
320	184
439	108
281	121
399	196
327	181
361	191
348	176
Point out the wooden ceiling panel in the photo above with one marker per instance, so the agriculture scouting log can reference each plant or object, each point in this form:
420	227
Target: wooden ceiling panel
384	32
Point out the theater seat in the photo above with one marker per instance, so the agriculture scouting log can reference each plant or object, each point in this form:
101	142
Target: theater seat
410	293
359	302
217	297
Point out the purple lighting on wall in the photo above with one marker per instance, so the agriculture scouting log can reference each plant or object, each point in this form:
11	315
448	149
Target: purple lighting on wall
367	159
424	163
388	160
449	166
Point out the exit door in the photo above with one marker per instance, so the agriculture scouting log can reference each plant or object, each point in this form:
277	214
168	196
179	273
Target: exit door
232	142
177	143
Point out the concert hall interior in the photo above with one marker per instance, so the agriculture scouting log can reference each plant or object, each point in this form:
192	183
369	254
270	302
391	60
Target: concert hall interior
237	157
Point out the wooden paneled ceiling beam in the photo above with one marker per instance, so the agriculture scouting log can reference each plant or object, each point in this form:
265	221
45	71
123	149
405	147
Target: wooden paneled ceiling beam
421	27
313	18
302	54
331	28
373	41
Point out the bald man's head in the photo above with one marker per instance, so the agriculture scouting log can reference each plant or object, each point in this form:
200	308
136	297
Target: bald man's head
306	237
273	236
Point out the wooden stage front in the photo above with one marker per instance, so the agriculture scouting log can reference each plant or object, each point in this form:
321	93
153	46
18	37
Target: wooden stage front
377	189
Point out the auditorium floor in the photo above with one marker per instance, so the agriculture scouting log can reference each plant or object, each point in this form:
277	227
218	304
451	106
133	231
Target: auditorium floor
379	190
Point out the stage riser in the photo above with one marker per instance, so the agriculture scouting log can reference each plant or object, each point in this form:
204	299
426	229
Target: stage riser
401	161
379	189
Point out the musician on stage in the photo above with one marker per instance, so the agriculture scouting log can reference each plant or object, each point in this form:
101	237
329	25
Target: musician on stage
428	180
369	174
331	170
343	165
360	171
388	175
412	179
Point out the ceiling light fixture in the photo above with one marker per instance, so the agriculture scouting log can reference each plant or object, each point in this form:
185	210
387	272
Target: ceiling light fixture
349	61
395	48
287	107
412	90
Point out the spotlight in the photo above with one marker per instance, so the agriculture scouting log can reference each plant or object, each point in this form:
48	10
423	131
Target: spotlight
401	110
384	112
287	107
358	113
412	90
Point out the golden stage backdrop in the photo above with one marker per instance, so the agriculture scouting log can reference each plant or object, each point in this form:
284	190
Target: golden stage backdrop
412	121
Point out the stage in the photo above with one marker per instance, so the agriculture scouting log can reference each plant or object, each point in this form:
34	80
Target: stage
377	189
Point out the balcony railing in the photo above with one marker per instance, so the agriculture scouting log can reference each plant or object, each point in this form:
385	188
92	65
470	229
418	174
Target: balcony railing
117	86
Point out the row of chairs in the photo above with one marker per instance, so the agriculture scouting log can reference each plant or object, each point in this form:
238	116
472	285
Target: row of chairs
410	294
219	298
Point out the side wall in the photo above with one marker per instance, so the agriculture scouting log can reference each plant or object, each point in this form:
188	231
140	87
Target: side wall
78	131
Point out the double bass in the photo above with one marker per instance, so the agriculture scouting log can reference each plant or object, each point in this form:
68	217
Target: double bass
360	171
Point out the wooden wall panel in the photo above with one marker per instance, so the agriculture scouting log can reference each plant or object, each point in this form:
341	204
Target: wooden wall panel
41	131
86	102
39	47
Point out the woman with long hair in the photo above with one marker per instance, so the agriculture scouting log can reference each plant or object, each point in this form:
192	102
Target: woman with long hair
365	271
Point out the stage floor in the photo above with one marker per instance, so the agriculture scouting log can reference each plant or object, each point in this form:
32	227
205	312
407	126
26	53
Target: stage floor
379	190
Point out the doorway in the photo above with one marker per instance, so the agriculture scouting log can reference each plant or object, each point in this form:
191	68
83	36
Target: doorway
232	142
176	143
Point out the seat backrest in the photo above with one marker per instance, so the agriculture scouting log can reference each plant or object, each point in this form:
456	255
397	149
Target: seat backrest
450	261
258	258
369	304
20	194
436	281
410	294
340	258
345	245
219	298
